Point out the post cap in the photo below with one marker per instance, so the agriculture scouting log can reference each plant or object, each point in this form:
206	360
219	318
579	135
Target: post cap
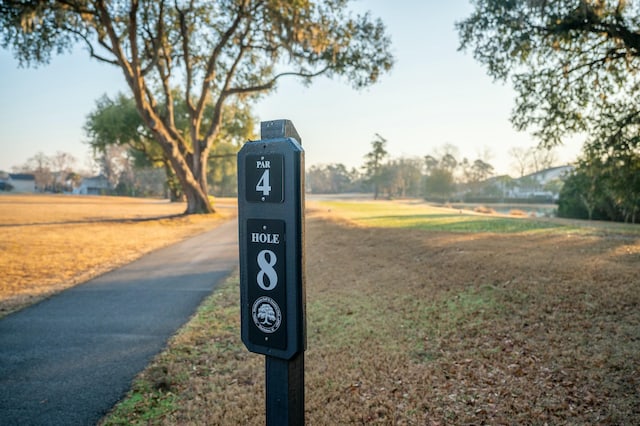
279	129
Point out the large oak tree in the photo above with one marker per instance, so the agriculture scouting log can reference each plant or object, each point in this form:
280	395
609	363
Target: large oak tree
211	50
117	122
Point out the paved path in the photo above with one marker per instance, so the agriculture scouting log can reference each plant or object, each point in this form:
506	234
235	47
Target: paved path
69	359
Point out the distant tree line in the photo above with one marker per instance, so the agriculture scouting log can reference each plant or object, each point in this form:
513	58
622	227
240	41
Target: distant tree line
333	179
52	173
604	184
437	176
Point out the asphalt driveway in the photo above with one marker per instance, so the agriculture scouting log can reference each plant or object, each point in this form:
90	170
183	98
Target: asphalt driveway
69	359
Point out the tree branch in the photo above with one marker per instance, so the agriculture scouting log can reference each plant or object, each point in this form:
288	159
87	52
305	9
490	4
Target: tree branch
92	51
133	42
184	32
269	84
103	16
213	59
155	41
217	111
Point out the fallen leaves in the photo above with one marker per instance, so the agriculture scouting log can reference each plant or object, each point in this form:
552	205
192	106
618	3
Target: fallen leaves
411	327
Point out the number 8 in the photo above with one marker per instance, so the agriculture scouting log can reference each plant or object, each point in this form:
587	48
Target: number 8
266	268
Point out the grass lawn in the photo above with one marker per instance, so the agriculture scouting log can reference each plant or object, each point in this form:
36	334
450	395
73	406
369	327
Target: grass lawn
413	319
419	215
51	242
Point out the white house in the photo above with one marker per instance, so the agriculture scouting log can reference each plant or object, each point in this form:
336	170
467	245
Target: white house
533	185
5	181
18	182
95	185
23	182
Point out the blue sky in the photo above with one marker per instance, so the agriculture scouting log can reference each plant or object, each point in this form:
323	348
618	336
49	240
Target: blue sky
433	96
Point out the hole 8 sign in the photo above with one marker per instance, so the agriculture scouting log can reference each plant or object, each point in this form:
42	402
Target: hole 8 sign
266	275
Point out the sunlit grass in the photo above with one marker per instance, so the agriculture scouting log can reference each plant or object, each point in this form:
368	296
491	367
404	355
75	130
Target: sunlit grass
49	242
389	214
419	215
457	223
408	327
27	209
206	360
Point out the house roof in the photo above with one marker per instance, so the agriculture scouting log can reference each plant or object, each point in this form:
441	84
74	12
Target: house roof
22	176
95	178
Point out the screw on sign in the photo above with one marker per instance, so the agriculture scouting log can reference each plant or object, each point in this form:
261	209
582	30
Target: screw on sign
272	294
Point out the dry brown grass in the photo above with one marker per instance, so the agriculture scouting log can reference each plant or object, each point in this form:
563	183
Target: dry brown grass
518	212
51	242
408	326
484	210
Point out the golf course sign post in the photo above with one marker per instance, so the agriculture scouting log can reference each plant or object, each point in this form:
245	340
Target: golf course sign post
271	240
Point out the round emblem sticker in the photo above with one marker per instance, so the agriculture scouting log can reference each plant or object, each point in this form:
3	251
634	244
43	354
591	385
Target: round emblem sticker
266	314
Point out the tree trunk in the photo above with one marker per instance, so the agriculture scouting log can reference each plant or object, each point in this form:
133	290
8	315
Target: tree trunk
172	183
196	193
197	201
189	173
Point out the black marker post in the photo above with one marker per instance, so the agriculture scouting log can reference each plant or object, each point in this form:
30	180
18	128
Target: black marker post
272	288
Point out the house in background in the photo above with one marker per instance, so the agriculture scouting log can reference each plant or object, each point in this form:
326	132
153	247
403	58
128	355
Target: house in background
5	181
541	187
537	185
17	182
96	185
23	182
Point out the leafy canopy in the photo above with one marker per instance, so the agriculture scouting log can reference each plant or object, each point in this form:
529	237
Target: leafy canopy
574	64
205	41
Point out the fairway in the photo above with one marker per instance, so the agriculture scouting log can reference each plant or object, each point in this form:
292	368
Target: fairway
418	325
420	215
51	242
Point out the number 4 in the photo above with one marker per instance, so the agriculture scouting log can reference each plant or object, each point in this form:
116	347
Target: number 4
263	184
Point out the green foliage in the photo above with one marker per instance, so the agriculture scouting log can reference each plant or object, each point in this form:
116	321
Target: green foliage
604	188
330	179
574	65
571	62
439	184
373	163
118	122
237	127
402	177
